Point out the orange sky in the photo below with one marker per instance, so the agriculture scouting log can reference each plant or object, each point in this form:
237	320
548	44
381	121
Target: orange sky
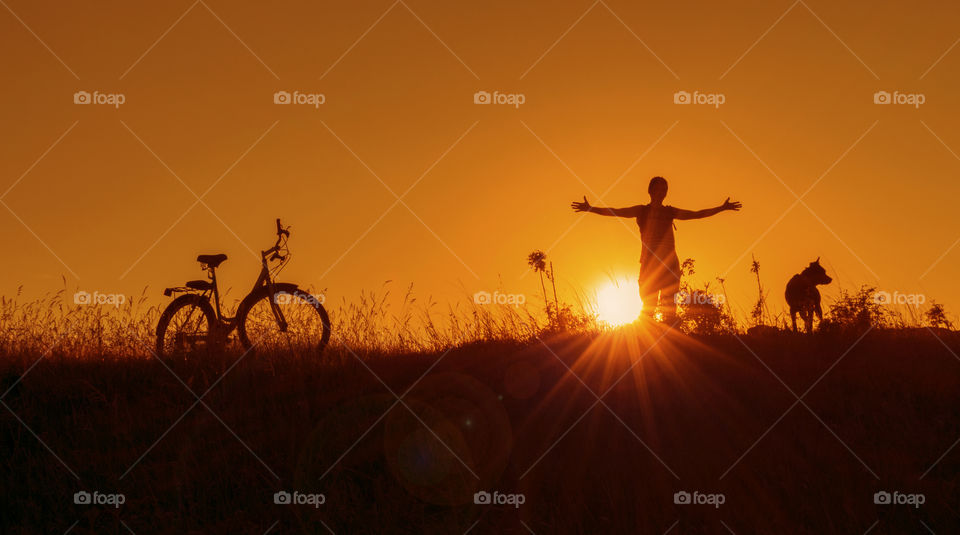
103	195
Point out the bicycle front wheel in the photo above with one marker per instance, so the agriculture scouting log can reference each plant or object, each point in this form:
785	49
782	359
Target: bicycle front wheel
286	320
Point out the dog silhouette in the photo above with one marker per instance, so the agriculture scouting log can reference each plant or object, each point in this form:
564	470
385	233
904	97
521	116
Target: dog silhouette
803	297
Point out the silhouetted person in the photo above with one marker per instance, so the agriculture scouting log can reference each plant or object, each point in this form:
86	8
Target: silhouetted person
659	265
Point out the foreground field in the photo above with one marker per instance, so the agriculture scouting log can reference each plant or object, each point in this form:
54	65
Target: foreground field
592	433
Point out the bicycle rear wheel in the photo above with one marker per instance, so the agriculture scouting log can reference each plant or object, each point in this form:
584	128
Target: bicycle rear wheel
186	326
307	329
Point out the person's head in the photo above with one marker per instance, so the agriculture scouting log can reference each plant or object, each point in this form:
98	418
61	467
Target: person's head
657	189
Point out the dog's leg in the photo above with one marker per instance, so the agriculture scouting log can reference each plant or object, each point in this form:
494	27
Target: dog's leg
816	306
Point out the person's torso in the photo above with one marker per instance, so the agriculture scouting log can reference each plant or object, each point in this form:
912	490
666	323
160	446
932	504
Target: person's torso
656	232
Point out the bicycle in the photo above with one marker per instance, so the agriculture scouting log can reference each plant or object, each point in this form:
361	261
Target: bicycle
273	316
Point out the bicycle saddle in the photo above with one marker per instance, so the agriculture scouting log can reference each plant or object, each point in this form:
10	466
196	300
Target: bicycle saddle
212	260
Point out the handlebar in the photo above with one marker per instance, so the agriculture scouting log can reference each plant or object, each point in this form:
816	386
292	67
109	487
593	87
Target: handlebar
281	233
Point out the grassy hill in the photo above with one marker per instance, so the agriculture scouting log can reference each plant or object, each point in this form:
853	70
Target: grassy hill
596	431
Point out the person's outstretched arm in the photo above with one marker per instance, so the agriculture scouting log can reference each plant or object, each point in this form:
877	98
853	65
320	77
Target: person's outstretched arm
616	212
700	214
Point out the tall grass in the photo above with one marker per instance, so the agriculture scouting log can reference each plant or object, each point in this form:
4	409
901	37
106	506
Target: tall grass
53	323
373	323
378	323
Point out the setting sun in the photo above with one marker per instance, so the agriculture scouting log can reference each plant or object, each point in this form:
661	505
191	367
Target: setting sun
618	302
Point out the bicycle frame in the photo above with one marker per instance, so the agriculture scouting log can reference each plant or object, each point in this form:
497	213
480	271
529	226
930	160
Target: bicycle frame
263	280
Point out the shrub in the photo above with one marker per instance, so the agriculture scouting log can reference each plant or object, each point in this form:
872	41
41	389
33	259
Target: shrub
701	312
936	317
857	311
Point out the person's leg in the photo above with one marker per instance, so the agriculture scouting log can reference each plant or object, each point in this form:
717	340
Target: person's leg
648	295
668	283
659	279
668	299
